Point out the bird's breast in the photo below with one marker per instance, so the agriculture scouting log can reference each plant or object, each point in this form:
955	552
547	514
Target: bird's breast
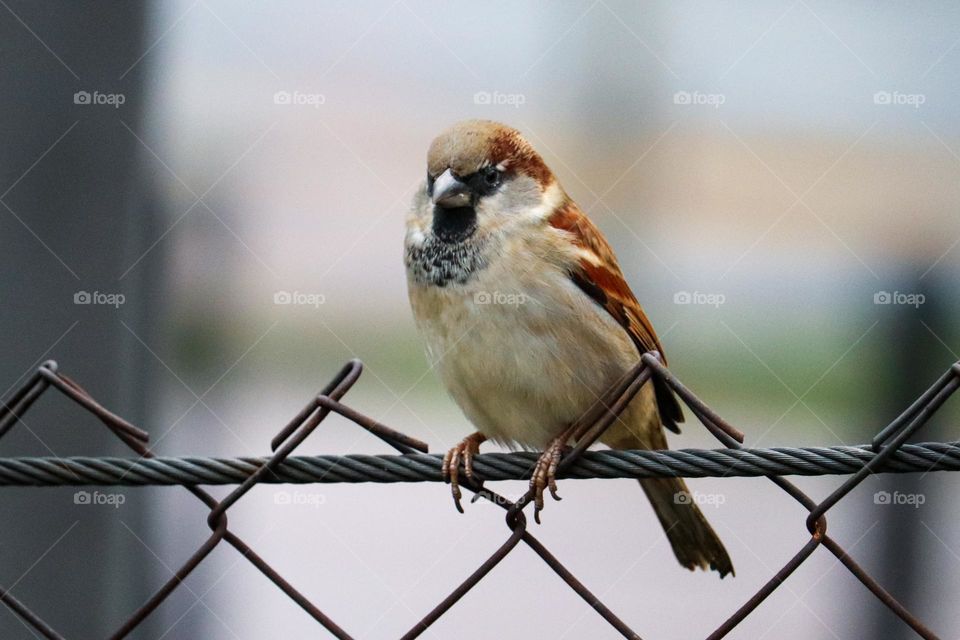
522	351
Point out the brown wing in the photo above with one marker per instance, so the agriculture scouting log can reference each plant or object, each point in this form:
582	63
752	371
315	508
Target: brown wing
598	275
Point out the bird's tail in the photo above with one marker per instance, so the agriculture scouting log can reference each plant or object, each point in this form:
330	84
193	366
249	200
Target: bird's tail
693	540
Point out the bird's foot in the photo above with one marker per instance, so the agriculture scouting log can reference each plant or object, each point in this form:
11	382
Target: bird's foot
545	473
464	451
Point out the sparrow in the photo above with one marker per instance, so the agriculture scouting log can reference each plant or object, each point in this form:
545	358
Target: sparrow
528	320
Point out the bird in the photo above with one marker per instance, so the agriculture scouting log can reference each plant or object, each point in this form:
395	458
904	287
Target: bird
528	320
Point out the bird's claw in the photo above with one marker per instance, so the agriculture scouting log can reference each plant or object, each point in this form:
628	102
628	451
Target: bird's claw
544	476
463	451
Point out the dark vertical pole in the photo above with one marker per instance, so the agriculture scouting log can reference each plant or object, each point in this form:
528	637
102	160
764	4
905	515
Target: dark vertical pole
914	359
74	214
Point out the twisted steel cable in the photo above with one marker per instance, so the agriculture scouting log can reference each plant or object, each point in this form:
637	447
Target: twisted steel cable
356	468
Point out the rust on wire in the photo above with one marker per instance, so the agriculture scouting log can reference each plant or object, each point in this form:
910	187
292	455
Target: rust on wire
586	431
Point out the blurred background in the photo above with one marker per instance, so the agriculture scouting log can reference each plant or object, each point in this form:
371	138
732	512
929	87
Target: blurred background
202	214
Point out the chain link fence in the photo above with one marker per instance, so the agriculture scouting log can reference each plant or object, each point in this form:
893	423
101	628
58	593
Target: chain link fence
888	452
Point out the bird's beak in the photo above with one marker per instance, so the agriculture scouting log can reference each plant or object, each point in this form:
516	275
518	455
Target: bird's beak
449	192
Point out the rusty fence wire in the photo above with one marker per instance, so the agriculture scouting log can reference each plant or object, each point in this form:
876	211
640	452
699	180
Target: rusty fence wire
888	452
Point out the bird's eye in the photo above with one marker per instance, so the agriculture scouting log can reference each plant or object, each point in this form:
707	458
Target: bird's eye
491	176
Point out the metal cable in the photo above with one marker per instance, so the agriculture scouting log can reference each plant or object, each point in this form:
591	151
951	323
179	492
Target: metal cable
356	468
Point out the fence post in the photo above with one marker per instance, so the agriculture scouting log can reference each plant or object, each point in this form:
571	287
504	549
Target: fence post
73	216
914	360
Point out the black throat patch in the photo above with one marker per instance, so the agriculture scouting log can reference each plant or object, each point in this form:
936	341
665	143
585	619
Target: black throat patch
454	225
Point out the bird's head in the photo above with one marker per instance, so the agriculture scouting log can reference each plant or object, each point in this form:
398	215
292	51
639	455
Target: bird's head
483	175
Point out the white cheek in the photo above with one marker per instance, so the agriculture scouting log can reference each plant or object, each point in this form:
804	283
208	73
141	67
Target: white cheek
415	237
552	198
418	218
523	203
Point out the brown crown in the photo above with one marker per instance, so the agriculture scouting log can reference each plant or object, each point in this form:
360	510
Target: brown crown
469	145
